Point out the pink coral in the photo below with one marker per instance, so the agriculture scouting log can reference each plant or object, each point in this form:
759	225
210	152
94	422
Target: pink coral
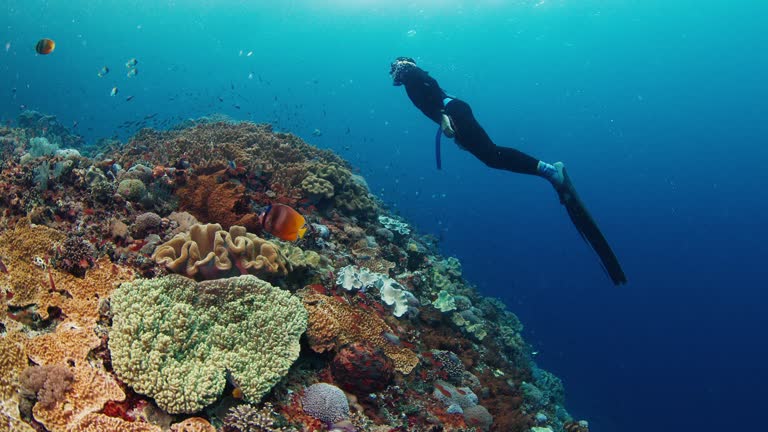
47	384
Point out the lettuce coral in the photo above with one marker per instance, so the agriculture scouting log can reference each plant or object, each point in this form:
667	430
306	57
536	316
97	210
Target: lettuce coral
177	340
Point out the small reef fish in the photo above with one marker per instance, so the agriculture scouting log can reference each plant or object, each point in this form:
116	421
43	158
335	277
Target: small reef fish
131	63
283	222
114	91
128	99
103	71
45	46
132	73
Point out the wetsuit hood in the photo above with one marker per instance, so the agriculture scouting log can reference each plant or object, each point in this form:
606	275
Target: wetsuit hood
399	67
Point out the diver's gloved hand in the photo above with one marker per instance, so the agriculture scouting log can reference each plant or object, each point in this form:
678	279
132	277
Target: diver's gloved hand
447	125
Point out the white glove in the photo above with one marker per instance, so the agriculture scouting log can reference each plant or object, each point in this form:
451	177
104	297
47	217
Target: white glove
447	125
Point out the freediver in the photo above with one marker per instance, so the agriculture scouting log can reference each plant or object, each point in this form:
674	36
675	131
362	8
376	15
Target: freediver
455	120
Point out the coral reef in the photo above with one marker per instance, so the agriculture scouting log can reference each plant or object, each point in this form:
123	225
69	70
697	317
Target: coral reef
387	317
177	340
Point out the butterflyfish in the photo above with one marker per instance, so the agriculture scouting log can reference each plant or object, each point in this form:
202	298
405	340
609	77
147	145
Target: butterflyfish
283	222
131	63
45	46
103	71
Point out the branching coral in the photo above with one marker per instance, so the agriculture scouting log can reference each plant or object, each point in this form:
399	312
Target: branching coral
247	418
176	340
74	256
208	252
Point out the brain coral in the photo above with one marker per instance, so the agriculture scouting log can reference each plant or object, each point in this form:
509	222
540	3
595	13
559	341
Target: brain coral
176	340
209	252
325	402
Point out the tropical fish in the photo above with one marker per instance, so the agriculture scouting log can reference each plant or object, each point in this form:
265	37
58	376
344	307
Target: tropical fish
103	71
45	46
133	72
114	91
283	222
131	63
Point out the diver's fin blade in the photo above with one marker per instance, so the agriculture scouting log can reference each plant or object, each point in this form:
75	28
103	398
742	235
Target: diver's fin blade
590	232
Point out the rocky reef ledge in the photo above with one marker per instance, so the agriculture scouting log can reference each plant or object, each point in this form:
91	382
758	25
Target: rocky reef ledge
141	293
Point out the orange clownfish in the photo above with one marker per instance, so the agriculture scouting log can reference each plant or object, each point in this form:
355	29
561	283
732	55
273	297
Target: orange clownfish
45	46
283	222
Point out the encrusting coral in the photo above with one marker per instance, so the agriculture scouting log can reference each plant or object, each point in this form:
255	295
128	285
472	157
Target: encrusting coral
215	199
176	340
333	323
209	252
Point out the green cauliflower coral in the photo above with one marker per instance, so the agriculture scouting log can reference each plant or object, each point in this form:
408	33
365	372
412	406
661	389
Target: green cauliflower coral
178	340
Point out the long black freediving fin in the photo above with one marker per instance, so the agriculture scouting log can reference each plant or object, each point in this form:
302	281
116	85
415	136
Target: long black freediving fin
589	231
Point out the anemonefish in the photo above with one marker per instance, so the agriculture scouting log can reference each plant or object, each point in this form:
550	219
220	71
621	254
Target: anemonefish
45	46
283	222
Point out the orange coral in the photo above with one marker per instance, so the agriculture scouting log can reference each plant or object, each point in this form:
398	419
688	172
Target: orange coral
13	360
193	424
34	283
213	198
333	323
20	250
101	423
91	389
208	252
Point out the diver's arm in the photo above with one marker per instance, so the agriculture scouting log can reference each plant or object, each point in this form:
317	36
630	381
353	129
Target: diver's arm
425	93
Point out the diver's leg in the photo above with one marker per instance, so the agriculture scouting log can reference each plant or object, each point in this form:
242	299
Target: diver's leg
473	138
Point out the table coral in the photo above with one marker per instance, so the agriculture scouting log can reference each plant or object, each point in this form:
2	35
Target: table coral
176	340
333	324
209	252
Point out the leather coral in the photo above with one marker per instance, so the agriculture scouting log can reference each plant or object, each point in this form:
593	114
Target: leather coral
209	252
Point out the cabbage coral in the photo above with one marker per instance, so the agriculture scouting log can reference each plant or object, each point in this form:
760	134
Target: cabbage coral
177	340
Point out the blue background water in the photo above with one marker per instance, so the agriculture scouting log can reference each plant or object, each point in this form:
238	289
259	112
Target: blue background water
657	107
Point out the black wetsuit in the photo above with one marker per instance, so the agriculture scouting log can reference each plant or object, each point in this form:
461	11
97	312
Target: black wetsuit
426	94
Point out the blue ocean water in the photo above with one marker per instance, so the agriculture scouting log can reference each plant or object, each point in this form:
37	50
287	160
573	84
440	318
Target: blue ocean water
657	107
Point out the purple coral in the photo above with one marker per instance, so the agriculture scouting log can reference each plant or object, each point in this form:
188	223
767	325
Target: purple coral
75	256
146	223
47	384
326	403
